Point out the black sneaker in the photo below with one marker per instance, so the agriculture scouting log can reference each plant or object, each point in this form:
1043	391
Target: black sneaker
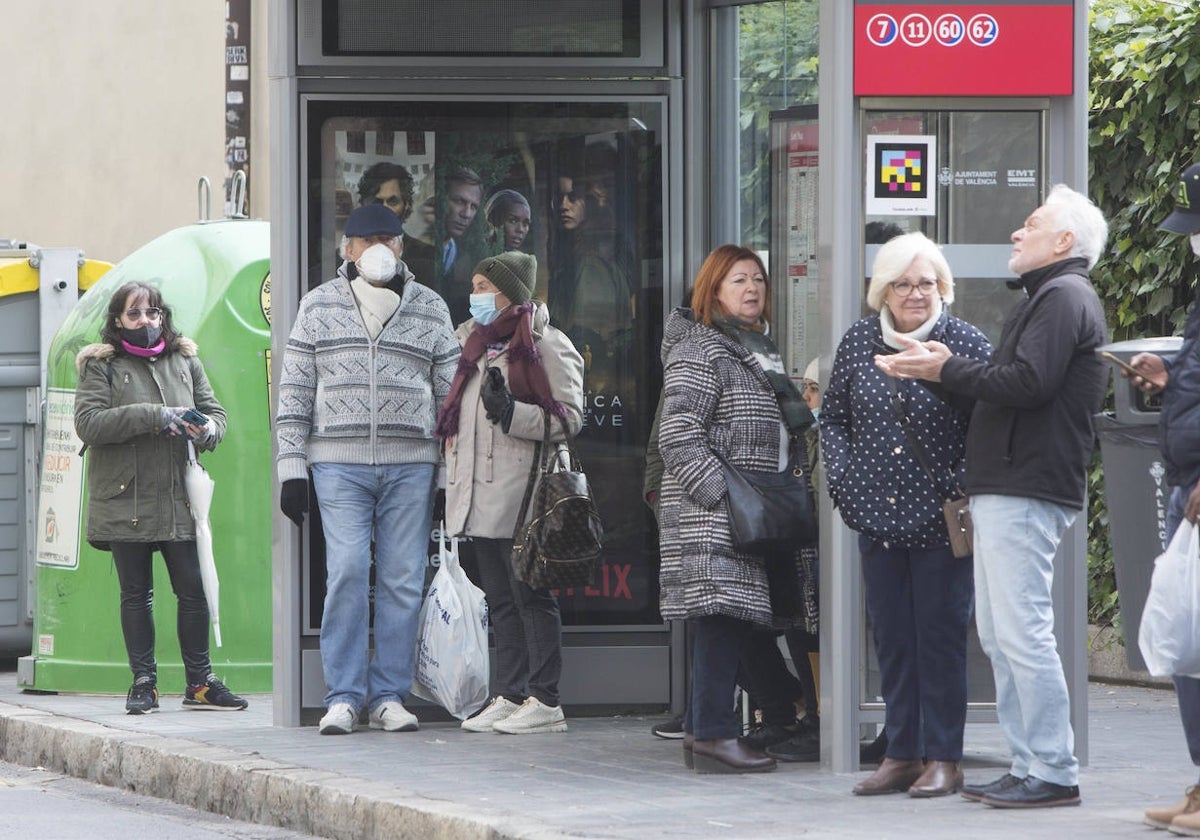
767	735
142	697
672	729
213	695
1032	792
976	792
872	752
805	745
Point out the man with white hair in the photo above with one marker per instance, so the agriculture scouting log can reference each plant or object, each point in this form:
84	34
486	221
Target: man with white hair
1028	447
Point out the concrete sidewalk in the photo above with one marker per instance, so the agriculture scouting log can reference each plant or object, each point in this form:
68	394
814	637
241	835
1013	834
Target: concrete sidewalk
605	778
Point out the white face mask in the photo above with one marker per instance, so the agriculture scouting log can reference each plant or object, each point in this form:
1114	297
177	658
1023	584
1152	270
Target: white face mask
1196	243
377	264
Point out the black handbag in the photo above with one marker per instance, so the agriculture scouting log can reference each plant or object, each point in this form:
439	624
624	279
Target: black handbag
769	511
560	544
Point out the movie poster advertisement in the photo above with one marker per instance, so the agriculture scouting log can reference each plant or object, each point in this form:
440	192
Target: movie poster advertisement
579	185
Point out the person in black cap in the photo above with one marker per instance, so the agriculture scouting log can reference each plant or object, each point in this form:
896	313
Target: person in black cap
1178	379
516	372
367	365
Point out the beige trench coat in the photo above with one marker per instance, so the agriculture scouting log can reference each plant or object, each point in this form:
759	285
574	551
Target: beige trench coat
486	469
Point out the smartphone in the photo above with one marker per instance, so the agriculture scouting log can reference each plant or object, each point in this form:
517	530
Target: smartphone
1121	363
194	417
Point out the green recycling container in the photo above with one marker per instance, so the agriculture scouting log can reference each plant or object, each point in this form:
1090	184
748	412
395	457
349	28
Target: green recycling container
216	278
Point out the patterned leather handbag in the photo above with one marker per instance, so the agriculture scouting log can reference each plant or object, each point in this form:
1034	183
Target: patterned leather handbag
560	543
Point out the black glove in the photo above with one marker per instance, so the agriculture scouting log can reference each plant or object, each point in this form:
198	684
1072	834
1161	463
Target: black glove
497	399
293	499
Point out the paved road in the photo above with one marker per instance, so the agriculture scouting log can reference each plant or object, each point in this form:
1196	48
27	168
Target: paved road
36	803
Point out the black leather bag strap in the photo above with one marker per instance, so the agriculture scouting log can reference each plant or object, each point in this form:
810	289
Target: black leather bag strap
535	466
914	444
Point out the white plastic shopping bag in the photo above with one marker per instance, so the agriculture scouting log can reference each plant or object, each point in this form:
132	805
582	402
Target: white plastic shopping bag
452	652
1169	635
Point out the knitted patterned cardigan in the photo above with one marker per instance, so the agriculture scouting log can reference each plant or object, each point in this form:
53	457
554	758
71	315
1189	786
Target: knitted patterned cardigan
345	398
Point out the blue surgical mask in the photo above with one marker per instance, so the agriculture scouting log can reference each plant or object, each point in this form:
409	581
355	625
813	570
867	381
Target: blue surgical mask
483	308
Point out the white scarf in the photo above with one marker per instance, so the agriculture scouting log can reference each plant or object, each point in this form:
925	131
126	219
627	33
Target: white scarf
376	303
921	333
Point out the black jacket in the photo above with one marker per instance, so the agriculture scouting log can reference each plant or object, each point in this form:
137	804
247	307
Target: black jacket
1031	432
1180	420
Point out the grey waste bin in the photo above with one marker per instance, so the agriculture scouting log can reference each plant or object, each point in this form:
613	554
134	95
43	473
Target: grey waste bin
1135	487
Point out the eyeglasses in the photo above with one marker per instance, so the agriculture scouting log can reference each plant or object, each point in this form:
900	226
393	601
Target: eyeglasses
153	313
904	288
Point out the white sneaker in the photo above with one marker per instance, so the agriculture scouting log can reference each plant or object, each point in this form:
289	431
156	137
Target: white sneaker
341	719
499	709
532	718
391	716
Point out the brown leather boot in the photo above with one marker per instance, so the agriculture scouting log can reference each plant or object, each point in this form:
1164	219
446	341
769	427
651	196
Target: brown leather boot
939	779
728	755
1163	817
893	776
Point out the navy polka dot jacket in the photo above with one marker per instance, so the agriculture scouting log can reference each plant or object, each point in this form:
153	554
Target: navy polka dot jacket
874	479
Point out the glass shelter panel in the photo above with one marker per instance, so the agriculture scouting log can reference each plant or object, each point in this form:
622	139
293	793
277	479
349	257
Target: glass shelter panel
777	69
988	175
577	184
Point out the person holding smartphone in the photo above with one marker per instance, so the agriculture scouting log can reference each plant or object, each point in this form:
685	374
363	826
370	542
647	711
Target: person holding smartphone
1178	379
142	395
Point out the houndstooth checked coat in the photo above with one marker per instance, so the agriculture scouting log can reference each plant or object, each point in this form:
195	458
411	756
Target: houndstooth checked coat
716	398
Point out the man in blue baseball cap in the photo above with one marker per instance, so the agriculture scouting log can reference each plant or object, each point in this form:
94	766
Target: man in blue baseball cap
1178	379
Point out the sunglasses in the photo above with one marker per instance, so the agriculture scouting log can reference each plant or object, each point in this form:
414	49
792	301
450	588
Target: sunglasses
153	313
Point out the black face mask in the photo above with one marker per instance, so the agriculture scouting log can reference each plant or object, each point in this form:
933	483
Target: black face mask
145	336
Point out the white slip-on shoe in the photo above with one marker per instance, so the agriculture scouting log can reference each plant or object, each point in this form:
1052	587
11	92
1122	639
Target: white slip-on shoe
391	716
499	709
341	719
534	717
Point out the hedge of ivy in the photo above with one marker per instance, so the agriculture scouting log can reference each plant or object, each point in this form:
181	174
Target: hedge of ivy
1144	131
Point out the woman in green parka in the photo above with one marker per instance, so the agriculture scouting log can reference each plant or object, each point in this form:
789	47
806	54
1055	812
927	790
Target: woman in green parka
134	389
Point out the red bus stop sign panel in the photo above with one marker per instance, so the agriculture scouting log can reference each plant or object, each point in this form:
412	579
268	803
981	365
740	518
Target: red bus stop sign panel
1023	48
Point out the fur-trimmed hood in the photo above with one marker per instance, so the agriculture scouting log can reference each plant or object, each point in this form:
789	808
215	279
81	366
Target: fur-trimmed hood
101	350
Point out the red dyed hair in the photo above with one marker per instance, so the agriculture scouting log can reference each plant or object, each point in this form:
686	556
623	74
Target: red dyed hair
716	265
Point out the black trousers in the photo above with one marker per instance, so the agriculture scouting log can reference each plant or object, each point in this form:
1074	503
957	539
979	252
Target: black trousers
763	673
526	627
135	569
718	645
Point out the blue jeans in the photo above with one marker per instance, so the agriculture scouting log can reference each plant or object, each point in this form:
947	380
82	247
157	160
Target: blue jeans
919	601
1015	542
391	503
1187	689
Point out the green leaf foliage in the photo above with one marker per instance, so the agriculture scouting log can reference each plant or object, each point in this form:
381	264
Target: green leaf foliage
1144	130
777	57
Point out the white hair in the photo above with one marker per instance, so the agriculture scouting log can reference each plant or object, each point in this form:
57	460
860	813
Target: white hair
894	258
1075	212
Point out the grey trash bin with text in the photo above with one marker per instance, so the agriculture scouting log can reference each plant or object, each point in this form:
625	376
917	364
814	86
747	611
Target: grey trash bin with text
1135	487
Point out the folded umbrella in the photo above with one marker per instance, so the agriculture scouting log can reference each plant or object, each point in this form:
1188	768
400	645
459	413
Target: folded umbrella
199	488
